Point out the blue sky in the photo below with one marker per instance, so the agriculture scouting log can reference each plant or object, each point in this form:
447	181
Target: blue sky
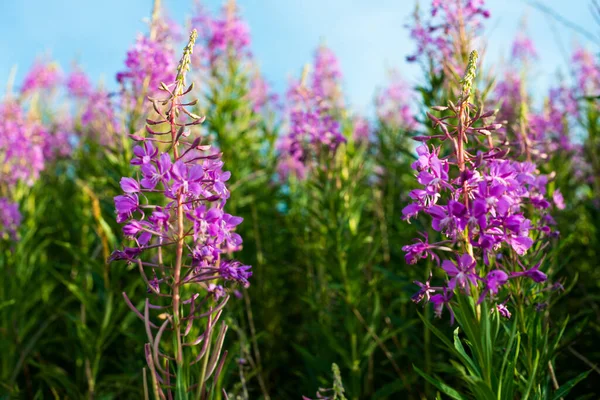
369	37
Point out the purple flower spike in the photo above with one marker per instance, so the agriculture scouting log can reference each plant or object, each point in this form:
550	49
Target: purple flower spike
480	201
78	84
44	76
10	218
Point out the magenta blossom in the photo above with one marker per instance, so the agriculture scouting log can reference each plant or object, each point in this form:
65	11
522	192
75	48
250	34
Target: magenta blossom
462	272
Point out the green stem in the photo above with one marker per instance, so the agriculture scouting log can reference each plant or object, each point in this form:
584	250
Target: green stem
203	371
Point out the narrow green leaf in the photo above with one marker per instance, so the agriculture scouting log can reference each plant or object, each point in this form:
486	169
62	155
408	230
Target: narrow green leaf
532	377
473	370
566	388
387	390
440	385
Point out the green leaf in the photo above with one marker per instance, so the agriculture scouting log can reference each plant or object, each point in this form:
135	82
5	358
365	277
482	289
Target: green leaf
440	385
443	338
387	390
566	388
532	376
481	389
467	360
7	303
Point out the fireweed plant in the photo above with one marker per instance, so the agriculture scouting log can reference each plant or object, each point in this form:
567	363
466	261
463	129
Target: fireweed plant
328	212
495	227
181	235
314	131
29	144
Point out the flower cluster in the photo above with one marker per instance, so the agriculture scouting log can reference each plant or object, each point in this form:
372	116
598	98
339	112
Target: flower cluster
224	35
362	129
78	85
41	76
260	94
10	219
496	190
475	198
447	32
587	72
98	120
523	49
148	63
27	146
312	131
22	143
195	180
393	104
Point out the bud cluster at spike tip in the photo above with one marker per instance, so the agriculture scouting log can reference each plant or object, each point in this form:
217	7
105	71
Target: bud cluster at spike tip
477	199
